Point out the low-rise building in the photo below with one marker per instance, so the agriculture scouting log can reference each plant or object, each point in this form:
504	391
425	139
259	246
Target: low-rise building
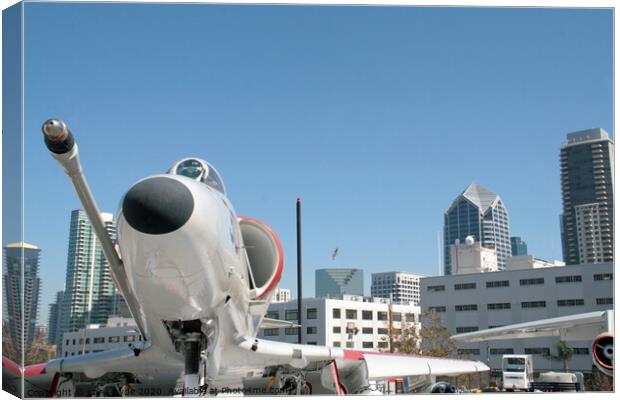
474	302
118	331
529	262
353	322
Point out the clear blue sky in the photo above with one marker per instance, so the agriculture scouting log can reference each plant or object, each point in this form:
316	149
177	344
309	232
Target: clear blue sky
376	117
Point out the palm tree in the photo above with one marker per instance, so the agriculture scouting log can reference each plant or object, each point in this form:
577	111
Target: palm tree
565	353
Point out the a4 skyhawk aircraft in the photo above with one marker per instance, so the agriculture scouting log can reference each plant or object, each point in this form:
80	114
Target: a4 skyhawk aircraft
198	281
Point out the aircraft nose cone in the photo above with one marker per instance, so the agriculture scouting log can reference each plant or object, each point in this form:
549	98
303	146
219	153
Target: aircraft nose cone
158	205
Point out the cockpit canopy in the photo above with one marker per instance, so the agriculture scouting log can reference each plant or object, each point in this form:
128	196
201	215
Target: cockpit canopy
199	170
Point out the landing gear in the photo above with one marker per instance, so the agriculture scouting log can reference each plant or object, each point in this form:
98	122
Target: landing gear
191	348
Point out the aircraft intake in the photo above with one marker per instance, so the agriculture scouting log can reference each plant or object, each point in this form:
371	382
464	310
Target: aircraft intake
603	353
158	205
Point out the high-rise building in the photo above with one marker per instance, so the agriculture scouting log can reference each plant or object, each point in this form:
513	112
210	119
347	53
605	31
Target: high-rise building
587	165
281	295
399	287
54	319
21	278
480	213
90	295
334	282
519	247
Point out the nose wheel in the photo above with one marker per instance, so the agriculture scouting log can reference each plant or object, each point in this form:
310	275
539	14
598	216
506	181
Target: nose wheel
192	349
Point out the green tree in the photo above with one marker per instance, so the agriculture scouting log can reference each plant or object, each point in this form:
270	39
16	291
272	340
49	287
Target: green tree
408	342
565	353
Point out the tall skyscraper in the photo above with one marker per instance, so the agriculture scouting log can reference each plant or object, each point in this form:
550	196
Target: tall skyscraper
54	319
90	295
400	287
519	247
480	213
587	161
334	282
21	278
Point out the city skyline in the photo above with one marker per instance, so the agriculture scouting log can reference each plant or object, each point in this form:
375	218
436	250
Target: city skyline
376	130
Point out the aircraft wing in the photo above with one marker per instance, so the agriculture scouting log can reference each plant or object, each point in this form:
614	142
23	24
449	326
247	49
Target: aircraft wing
277	323
352	368
571	327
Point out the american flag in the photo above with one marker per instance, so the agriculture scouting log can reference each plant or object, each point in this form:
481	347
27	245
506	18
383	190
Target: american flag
335	253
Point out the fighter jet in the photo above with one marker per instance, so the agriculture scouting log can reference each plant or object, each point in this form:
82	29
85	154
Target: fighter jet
198	280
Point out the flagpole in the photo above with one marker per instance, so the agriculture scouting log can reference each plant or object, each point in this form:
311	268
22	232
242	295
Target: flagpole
299	293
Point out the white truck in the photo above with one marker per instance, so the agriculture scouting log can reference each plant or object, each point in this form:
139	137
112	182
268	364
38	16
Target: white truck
517	372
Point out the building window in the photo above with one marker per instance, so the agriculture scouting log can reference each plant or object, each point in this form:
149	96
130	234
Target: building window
311	330
437	309
350	345
67	342
66	353
273	314
73	341
495	326
290	315
568	279
311	313
271	332
97	351
312	343
351	314
465	329
465	286
382	316
570	302
532	281
581	351
367	331
604	300
81	341
495	284
537	350
367	315
437	288
336	313
87	341
291	331
382	331
129	338
114	339
336	329
99	340
466	307
367	345
502	351
410	317
468	351
336	344
498	306
382	345
533	304
604	277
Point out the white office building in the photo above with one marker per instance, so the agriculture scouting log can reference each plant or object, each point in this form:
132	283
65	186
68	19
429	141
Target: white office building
400	287
281	295
353	322
474	302
471	257
118	331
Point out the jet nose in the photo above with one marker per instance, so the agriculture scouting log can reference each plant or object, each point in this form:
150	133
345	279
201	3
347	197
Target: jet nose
158	205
